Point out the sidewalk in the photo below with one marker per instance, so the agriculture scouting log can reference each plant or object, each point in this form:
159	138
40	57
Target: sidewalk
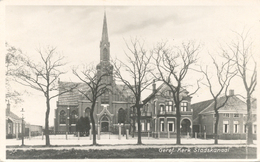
112	142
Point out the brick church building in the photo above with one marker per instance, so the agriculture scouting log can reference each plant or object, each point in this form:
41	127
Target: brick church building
73	105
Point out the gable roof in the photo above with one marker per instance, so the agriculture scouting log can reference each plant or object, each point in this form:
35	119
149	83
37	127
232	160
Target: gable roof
72	97
12	115
153	93
161	89
233	104
198	107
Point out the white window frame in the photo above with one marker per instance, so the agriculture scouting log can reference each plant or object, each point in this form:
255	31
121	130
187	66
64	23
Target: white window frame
225	122
148	126
162	126
162	108
227	115
236	126
184	106
171	122
136	126
142	128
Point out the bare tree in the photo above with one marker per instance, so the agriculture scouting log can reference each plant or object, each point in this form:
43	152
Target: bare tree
97	83
241	53
43	77
137	67
173	66
224	74
13	61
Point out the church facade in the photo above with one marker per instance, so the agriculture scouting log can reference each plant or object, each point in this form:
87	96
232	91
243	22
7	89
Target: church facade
112	108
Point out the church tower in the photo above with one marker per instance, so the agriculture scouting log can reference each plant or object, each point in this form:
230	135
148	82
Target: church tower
104	43
105	65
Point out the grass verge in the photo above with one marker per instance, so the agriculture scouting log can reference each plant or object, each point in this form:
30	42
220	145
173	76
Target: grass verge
149	153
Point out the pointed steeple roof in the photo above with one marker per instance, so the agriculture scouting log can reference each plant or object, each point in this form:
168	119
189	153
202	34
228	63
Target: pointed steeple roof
104	32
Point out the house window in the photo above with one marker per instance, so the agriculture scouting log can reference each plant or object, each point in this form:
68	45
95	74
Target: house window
204	127
245	127
184	106
226	115
236	115
225	127
142	126
254	128
9	128
162	126
62	117
168	106
148	126
154	103
168	93
161	108
170	126
74	117
236	127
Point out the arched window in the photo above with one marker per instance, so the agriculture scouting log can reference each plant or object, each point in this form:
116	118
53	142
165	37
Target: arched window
105	98
162	109
74	117
62	117
87	112
121	115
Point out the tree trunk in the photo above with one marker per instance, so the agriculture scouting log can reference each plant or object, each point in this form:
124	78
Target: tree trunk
249	120
178	115
216	127
93	126
47	122
139	142
134	116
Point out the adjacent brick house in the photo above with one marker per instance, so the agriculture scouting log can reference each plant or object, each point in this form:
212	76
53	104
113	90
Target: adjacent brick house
13	124
232	118
159	114
109	106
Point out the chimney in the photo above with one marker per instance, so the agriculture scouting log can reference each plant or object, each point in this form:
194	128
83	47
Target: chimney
8	107
231	92
154	86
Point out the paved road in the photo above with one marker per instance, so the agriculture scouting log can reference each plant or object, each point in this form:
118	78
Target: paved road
112	142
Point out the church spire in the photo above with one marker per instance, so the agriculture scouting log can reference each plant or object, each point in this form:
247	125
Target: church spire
104	32
104	43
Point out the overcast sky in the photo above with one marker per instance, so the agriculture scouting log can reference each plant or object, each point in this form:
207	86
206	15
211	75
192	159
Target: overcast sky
76	32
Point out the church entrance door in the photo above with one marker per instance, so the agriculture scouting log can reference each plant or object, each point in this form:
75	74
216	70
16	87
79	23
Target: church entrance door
104	126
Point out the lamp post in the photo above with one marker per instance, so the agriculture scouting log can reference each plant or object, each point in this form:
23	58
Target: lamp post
22	111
